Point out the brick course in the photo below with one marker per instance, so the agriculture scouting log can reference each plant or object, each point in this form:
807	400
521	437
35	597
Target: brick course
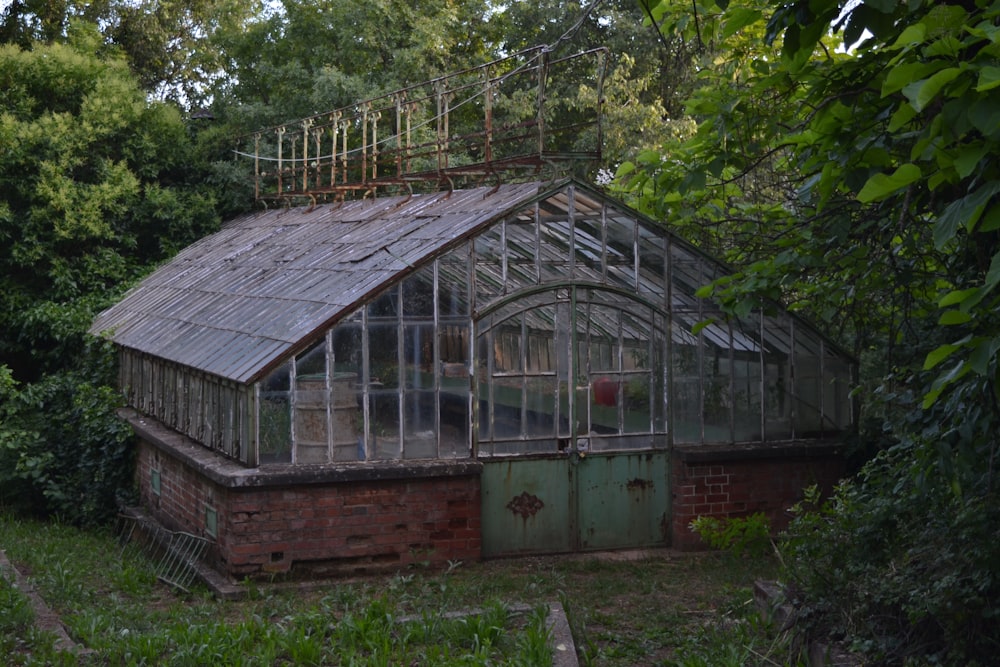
742	481
326	520
317	528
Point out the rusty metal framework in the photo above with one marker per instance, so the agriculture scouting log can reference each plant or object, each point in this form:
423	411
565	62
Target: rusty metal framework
509	119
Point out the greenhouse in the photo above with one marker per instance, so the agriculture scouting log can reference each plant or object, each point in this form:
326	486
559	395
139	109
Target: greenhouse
538	322
361	375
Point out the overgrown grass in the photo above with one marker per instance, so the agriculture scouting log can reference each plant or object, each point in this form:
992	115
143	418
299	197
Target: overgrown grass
663	610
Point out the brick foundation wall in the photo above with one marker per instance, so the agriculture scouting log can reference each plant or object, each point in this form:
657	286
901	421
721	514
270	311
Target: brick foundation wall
325	520
315	521
740	481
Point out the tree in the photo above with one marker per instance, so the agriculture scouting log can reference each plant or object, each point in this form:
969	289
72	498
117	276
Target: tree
859	185
164	41
98	186
304	58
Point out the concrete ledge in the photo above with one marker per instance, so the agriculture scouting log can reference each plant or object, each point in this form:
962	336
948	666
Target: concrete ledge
759	451
234	475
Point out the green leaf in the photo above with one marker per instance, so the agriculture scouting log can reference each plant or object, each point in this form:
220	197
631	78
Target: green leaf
921	93
625	168
960	370
913	34
968	158
881	186
985	116
966	210
739	19
953	317
956	296
990	221
904	114
904	75
939	354
701	325
884	6
993	275
648	157
989	78
983	353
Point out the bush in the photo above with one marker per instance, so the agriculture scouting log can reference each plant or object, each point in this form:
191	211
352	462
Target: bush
63	450
750	535
903	560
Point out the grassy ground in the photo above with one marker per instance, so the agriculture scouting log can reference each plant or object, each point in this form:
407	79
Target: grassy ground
666	609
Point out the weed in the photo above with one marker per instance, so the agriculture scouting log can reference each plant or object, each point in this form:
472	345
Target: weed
750	535
621	613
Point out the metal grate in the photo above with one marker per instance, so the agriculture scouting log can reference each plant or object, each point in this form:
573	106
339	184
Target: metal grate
178	565
175	554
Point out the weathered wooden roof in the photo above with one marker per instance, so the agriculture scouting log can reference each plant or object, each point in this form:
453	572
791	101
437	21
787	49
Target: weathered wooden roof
235	302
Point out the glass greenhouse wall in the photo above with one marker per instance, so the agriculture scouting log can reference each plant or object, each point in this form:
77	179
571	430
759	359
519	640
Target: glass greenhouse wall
565	327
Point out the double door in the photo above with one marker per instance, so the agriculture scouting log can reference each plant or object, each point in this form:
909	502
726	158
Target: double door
571	424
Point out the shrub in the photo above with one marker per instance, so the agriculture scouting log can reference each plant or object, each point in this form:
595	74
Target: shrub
63	451
749	535
903	559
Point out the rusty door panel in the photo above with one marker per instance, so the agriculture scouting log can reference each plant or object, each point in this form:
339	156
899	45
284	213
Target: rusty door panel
527	507
570	503
623	500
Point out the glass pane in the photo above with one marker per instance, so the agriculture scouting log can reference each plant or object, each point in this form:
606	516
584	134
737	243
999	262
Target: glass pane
539	407
419	432
686	389
310	428
275	418
777	379
383	410
659	371
636	333
346	417
383	363
746	374
455	421
652	261
686	272
521	253
489	265
621	241
589	248
453	284
554	247
385	305
507	346
347	349
809	386
837	409
418	294
418	356
636	409
312	362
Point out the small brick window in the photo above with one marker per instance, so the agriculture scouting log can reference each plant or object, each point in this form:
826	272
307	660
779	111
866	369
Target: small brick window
211	521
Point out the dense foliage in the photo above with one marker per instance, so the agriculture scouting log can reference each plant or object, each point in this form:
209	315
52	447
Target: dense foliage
98	186
855	179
